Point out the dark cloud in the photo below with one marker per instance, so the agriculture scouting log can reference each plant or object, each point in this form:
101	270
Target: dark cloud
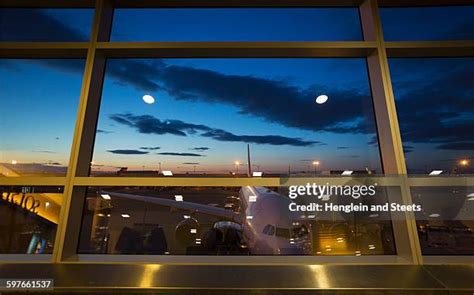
148	124
150	148
35	25
203	148
458	146
342	147
104	131
437	110
128	152
181	154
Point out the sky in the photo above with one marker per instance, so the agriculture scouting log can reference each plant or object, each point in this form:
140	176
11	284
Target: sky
208	110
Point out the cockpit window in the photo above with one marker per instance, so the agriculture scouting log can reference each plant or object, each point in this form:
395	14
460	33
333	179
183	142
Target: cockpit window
283	232
269	230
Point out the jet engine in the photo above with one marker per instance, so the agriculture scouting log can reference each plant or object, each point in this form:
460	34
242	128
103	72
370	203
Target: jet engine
187	231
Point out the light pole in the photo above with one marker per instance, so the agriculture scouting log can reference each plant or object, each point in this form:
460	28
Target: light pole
315	165
237	164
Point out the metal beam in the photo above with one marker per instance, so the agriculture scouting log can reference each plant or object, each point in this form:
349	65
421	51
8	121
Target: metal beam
430	48
236	49
43	49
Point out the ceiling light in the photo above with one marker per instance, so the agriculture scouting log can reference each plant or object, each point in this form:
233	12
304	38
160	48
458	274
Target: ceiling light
257	174
186	216
252	199
193	231
105	196
434	215
321	99
471	195
435	172
167	173
148	99
249	217
178	198
125	215
347	173
373	215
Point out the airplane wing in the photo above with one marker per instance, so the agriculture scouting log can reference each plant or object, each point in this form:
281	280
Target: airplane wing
194	207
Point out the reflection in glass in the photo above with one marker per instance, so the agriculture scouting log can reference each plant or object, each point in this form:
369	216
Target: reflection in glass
435	106
29	218
26	24
446	224
236	24
223	221
38	102
234	117
428	23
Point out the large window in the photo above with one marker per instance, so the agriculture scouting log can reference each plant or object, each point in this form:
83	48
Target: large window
226	221
298	117
30	216
236	24
39	105
435	105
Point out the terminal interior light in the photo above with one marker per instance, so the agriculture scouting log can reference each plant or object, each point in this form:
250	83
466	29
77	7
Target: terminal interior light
148	99
322	99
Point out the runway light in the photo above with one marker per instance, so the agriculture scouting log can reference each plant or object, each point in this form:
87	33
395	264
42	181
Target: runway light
105	196
167	173
435	172
252	199
178	198
148	99
257	174
347	173
321	99
14	162
125	215
434	215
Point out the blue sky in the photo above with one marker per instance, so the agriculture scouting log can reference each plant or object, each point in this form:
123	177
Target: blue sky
227	103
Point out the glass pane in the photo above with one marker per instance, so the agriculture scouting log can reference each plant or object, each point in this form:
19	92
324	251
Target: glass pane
226	221
39	107
24	24
446	224
428	23
236	24
211	117
435	105
29	220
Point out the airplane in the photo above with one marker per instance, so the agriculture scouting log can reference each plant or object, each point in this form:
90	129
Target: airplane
262	226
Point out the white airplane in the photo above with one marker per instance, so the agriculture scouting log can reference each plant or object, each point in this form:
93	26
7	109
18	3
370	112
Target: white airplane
264	223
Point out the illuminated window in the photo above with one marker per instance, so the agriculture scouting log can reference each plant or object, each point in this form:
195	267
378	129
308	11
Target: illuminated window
30	216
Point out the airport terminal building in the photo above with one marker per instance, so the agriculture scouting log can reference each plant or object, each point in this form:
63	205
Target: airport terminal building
193	146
